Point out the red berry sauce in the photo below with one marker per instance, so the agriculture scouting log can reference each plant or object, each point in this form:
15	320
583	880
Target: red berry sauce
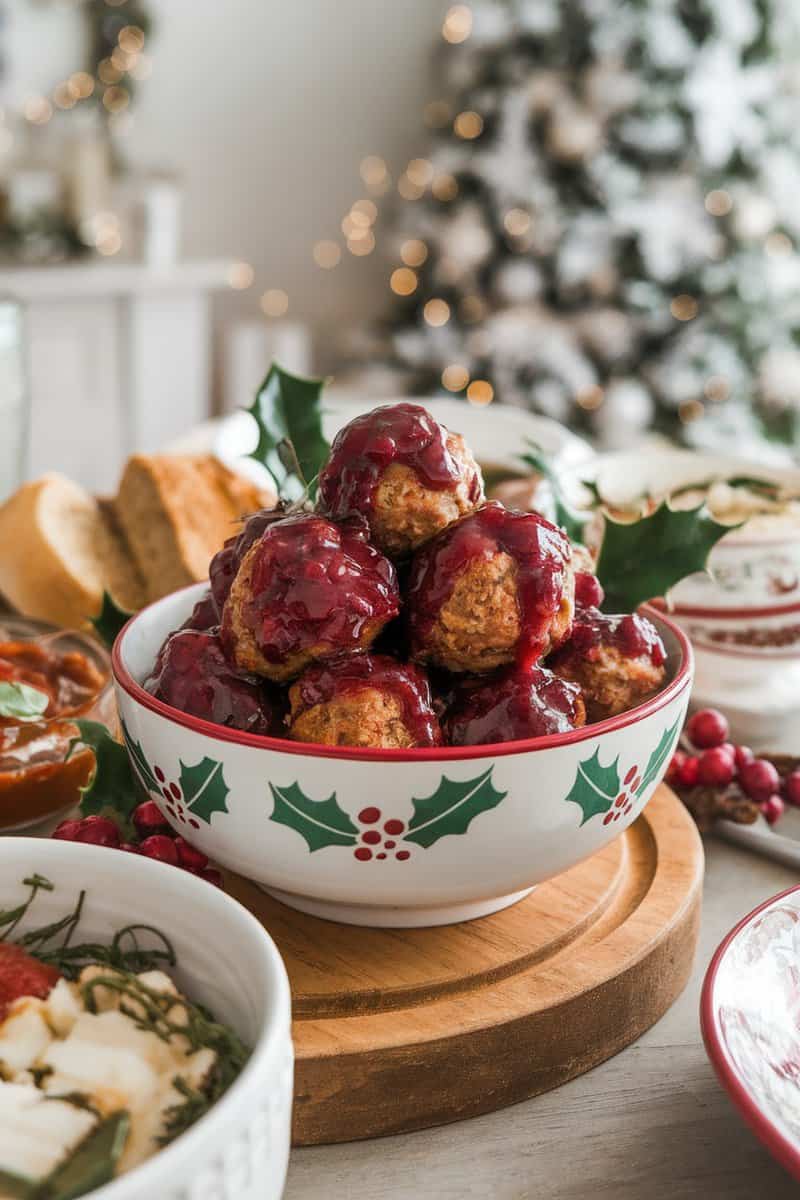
226	562
22	975
316	584
367	446
540	550
633	636
518	703
406	684
194	676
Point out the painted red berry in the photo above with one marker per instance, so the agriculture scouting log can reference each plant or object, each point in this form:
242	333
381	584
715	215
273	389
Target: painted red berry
176	791
159	774
194	824
381	855
627	809
390	845
402	855
96	831
791	786
716	768
689	772
609	817
394	827
189	856
363	854
742	755
637	783
759	779
368	816
372	837
708	728
772	809
165	792
148	818
630	776
620	800
161	848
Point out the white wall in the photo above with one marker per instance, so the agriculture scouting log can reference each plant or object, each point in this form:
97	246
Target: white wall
267	107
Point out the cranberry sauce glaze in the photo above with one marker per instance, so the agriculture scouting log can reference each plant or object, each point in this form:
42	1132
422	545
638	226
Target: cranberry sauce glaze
516	704
403	682
193	675
541	552
314	583
394	433
633	636
226	562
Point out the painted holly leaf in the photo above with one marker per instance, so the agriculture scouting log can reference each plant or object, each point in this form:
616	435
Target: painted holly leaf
110	621
452	808
140	764
595	787
643	559
291	444
321	822
570	519
659	756
204	788
110	791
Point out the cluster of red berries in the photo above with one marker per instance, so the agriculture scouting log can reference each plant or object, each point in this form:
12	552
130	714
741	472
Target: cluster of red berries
720	763
156	839
374	840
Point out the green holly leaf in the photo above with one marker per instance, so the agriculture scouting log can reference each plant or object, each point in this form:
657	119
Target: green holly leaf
452	808
110	621
321	822
204	788
21	702
644	559
659	756
291	444
595	787
570	519
141	766
110	791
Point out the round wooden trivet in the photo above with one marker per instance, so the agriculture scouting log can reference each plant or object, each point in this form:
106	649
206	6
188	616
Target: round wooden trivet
401	1029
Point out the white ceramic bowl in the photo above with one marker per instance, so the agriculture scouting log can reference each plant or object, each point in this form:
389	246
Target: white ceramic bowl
470	830
240	1149
743	616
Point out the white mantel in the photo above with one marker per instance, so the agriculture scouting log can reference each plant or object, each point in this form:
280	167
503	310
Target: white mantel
119	359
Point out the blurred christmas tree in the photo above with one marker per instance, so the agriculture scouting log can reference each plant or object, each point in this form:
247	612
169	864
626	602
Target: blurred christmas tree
604	229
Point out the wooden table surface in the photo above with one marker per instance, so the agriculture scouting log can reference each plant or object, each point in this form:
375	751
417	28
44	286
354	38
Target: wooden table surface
650	1124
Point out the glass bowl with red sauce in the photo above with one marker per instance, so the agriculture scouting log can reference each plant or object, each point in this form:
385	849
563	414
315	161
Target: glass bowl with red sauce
39	778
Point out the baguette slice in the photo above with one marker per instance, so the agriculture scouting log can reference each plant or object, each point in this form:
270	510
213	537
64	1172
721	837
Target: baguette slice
176	511
58	554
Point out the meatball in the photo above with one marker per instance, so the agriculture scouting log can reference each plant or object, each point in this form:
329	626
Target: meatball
617	661
494	588
523	702
406	473
363	700
193	675
226	562
307	589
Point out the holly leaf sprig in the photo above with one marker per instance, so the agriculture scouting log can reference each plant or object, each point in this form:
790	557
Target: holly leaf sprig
291	444
571	520
111	790
644	559
110	621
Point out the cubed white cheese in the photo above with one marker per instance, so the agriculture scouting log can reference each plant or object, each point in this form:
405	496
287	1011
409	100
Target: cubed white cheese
36	1133
63	1007
24	1035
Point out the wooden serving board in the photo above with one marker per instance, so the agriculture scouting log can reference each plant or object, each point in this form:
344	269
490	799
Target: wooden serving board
400	1029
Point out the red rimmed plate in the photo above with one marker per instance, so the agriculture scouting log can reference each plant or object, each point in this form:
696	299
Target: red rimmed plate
750	1018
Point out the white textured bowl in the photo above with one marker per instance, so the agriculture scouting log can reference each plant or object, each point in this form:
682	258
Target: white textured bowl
240	1149
472	829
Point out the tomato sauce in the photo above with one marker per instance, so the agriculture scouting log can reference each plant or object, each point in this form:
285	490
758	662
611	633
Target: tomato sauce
22	975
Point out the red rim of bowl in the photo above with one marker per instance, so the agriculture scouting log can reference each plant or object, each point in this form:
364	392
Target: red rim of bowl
781	1147
682	679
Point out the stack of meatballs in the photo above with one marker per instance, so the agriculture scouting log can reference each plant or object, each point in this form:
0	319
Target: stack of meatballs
405	611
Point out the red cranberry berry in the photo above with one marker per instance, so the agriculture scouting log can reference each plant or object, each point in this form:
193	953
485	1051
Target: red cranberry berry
189	856
729	749
211	875
716	768
128	847
588	590
689	774
148	819
707	728
675	767
742	756
92	831
67	831
759	779
772	809
161	848
791	789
